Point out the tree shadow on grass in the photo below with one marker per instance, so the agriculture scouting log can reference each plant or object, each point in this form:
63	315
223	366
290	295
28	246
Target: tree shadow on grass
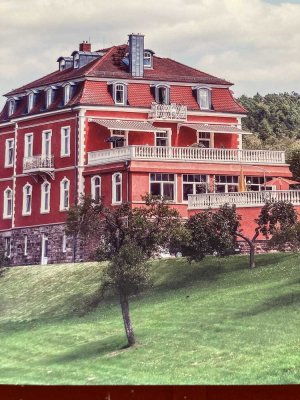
271	259
273	304
109	346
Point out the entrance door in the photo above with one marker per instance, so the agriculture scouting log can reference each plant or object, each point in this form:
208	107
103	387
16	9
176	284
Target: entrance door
44	255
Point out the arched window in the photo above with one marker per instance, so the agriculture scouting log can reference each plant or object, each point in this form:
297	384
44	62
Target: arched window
48	97
30	101
96	189
162	94
62	64
45	197
76	60
64	194
203	97
117	188
11	106
147	59
27	199
119	93
8	203
67	93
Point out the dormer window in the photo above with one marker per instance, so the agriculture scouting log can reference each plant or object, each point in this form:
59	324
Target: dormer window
162	94
147	59
76	60
48	97
11	107
30	101
203	95
62	64
119	92
67	93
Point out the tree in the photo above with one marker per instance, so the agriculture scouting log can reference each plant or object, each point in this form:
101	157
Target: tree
274	216
294	161
212	231
127	237
288	237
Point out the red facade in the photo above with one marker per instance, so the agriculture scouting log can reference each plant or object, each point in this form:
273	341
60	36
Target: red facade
104	126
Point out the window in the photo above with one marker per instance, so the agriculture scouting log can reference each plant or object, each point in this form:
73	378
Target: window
27	199
76	60
117	188
96	189
46	143
162	94
48	97
45	197
7	247
64	194
9	152
25	245
118	138
8	203
163	185
62	64
67	93
120	94
204	98
30	101
64	243
161	139
258	183
28	145
11	106
226	184
65	141
204	139
147	59
193	184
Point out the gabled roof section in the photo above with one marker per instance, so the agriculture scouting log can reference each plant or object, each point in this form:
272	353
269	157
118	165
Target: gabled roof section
110	65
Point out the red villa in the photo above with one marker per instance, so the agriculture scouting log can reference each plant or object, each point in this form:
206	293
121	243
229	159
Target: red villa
118	123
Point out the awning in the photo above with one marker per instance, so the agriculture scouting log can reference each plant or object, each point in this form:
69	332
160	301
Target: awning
118	124
215	128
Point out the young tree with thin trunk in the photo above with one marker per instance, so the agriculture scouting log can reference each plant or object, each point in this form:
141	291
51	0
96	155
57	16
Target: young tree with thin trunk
127	238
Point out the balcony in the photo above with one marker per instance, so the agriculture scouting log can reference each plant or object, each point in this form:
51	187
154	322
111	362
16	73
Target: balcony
168	112
241	199
38	165
189	154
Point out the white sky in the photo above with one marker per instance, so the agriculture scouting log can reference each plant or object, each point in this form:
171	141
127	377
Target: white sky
253	43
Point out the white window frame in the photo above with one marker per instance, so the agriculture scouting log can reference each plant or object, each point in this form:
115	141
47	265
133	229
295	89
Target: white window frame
67	93
26	194
48	97
117	132
161	182
62	64
76	60
208	104
114	188
64	243
45	206
167	137
65	150
25	252
148	57
209	138
226	184
7	246
7	199
30	101
9	153
28	145
46	153
11	107
115	89
94	186
159	87
194	184
64	195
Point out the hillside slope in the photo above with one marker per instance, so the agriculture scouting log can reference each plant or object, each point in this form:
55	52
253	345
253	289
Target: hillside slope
210	323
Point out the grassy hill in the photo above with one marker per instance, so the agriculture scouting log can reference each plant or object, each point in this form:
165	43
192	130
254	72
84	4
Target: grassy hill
215	322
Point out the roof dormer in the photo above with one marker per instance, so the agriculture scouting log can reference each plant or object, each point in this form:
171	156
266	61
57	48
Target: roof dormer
65	63
148	59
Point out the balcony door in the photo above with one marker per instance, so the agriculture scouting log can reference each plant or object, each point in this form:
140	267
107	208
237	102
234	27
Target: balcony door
46	144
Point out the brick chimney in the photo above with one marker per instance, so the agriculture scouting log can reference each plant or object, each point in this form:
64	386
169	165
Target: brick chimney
85	46
136	55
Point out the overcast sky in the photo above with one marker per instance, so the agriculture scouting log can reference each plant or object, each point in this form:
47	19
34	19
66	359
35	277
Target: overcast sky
253	43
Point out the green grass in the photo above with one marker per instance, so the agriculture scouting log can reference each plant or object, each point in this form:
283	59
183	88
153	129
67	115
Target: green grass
210	323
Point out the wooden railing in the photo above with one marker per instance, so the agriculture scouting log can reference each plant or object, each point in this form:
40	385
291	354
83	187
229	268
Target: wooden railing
190	154
173	112
241	199
39	162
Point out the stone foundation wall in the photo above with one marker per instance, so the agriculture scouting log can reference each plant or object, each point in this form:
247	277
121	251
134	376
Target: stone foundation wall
76	250
261	246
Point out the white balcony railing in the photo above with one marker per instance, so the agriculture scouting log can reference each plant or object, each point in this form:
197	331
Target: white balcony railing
173	112
241	199
190	154
38	163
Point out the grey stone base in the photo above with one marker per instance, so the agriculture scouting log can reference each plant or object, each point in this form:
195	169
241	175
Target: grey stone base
76	250
261	246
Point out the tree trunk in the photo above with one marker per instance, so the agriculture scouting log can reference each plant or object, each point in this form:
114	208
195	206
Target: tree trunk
252	255
126	318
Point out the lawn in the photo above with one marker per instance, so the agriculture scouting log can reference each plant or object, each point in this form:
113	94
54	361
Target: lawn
215	322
